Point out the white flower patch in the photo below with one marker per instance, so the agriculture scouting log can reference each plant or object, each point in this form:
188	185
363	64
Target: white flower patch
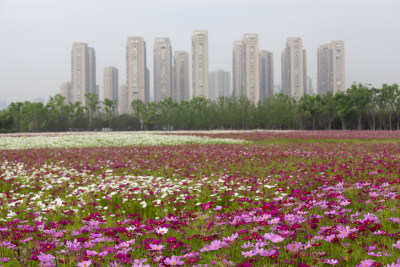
107	139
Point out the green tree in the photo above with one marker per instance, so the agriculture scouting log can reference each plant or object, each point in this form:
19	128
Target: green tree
92	106
360	96
109	109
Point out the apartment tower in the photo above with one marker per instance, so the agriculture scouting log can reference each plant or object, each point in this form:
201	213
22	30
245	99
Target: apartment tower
111	84
266	75
123	102
66	92
83	72
246	68
162	69
136	70
200	64
237	62
181	83
331	68
294	69
219	84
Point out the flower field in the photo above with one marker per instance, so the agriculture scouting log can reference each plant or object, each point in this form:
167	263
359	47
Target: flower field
244	198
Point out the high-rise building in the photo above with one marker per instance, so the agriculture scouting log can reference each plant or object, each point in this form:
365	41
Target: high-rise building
162	69
123	102
200	64
266	75
251	67
331	68
237	64
219	84
92	71
181	83
111	84
83	72
246	68
66	92
79	72
310	89
136	70
294	69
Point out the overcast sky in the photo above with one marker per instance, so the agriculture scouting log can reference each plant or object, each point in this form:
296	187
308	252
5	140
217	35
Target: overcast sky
36	36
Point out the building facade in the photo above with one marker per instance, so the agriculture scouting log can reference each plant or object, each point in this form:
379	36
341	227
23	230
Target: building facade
111	84
331	68
136	70
219	84
66	92
266	75
246	68
200	64
162	69
123	102
80	72
181	82
294	69
237	64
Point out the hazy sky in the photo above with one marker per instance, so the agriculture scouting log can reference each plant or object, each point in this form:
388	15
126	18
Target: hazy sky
36	36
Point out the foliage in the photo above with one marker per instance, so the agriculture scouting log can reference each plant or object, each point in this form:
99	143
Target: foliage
360	107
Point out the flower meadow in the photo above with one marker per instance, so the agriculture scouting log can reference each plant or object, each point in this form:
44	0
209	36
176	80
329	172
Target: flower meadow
251	198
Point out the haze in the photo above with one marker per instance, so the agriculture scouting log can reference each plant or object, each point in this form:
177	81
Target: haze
37	35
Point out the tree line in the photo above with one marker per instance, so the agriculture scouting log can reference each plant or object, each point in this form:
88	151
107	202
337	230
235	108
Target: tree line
361	107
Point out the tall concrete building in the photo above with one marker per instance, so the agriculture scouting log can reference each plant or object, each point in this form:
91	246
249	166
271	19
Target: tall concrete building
266	75
136	70
294	69
80	72
66	92
123	102
237	65
111	84
246	68
310	89
181	83
219	84
200	64
92	71
162	69
331	68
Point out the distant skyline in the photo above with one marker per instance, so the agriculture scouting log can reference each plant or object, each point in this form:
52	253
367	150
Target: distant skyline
37	36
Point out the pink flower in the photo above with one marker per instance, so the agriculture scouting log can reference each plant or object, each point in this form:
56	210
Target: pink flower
366	263
84	263
5	259
156	247
331	261
231	238
249	253
139	263
215	245
162	230
396	245
174	260
46	258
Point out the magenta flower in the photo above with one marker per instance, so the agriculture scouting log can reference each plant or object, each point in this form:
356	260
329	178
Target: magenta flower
174	260
5	259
